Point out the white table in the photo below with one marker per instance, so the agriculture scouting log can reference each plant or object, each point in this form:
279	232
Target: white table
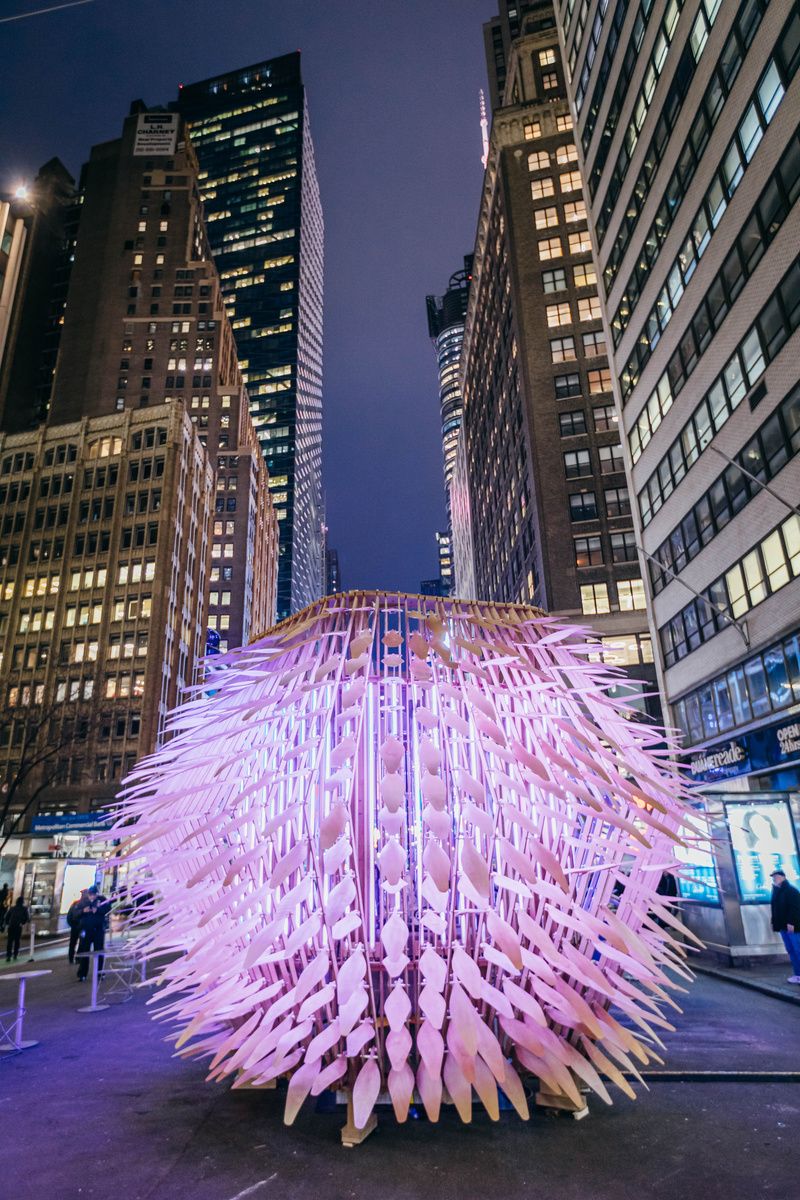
11	1033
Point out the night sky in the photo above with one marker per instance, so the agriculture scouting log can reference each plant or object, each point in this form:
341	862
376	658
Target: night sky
393	95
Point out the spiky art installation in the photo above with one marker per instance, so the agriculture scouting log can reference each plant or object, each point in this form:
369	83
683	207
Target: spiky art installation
384	841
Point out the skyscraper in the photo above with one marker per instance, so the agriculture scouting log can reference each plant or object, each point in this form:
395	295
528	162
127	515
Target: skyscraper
446	316
138	518
549	507
250	129
688	136
37	234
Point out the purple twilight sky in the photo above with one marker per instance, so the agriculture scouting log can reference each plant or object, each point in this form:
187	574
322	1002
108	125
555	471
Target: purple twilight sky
393	94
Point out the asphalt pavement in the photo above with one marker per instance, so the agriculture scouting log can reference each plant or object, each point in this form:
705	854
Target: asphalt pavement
100	1108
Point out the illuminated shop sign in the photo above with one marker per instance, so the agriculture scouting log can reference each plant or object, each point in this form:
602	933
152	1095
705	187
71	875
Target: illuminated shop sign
760	750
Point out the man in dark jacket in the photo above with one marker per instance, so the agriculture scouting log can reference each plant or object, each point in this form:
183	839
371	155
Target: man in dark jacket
74	922
17	917
92	928
5	900
786	919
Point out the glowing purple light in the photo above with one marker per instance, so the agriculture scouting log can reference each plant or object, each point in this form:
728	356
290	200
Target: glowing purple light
385	853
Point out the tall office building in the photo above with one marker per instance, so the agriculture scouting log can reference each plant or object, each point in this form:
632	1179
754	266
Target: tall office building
37	234
250	129
138	518
687	123
548	502
446	316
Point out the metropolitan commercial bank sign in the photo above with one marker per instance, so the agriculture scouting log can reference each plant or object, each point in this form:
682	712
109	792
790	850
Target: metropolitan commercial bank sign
156	135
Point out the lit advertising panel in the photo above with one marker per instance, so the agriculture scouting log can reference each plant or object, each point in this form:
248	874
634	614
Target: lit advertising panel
763	839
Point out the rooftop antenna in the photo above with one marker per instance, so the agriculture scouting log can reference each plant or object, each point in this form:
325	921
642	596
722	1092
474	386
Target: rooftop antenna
484	130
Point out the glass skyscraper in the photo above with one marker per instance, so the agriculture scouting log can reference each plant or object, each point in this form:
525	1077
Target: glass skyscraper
259	187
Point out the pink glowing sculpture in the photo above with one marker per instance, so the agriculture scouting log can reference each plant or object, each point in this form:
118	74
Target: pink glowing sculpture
384	841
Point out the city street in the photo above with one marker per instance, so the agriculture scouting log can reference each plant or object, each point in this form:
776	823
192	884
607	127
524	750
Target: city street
107	1110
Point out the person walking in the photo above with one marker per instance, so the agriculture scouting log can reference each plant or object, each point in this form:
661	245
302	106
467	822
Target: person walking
785	904
5	900
74	922
16	919
92	928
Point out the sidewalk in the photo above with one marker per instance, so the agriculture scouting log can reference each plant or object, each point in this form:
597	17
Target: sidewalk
769	978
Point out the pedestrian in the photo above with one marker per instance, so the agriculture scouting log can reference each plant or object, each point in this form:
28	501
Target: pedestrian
5	900
73	921
92	927
785	905
17	917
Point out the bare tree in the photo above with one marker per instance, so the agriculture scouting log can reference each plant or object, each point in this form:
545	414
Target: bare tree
44	738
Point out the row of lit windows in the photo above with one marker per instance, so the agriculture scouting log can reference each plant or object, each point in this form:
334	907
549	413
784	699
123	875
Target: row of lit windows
598	380
708	113
698	37
563	349
776	322
641	105
767	568
766	219
595	599
767	452
561	314
553	247
763	684
627	67
568	181
604	70
532	130
591	45
724	184
541	160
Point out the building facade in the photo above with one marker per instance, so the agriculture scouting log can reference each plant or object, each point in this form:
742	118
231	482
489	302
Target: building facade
548	499
446	316
37	233
250	130
137	525
687	127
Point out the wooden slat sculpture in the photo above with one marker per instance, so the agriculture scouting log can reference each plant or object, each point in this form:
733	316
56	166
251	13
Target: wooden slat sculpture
384	848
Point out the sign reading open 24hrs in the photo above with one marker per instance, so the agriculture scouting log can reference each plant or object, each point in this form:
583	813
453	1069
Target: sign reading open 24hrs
156	134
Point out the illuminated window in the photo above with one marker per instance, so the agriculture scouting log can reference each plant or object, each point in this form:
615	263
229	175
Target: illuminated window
558	314
547	58
539	160
594	599
599	380
631	594
563	122
550	248
574	210
567	153
584	275
531	130
580	243
589	308
545	217
542	188
549	80
570	181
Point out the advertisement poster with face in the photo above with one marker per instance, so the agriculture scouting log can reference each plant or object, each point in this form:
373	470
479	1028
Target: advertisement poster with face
763	839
